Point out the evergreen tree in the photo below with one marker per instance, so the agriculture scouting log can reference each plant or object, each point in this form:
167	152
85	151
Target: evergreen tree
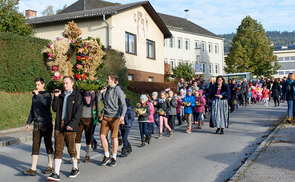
13	21
251	51
183	70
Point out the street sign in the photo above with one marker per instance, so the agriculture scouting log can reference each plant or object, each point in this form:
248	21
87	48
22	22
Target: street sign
198	68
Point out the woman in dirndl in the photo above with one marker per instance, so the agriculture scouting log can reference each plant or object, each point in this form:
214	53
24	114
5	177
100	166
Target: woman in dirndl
219	95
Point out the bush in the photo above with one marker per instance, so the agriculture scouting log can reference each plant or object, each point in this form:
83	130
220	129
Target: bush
21	62
183	70
149	87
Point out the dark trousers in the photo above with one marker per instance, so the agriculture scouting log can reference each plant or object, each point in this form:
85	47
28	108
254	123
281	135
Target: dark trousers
92	136
143	129
125	133
244	96
276	100
150	128
85	124
197	116
179	119
231	102
171	121
40	131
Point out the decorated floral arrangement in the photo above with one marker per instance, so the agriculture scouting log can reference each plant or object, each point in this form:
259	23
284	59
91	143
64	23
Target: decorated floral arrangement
161	111
140	111
185	103
88	60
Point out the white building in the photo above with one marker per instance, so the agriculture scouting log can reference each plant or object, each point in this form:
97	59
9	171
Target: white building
286	58
193	44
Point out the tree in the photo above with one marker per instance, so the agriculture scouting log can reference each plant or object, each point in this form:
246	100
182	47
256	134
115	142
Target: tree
183	70
48	11
59	10
13	21
251	51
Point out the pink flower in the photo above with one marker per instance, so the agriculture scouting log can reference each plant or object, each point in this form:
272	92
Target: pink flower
80	50
79	66
49	58
69	40
53	56
58	39
56	76
52	46
55	68
85	70
49	54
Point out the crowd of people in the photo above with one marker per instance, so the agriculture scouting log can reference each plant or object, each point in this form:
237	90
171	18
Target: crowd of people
193	101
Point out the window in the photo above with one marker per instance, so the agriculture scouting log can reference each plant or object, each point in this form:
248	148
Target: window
179	42
151	79
292	58
209	47
179	62
204	68
216	49
281	73
130	43
203	47
172	42
187	44
216	69
171	64
150	49
280	59
198	59
130	77
287	58
165	60
210	68
196	44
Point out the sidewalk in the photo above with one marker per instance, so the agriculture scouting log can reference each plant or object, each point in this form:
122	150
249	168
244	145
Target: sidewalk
15	136
273	160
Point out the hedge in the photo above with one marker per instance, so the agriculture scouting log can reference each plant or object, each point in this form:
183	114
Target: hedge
21	62
149	87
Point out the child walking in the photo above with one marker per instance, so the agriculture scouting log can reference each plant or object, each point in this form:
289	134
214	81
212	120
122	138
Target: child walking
163	104
259	94
143	119
172	113
265	96
181	109
151	116
190	102
198	110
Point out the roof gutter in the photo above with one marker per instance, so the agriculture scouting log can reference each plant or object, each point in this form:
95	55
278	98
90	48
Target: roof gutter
108	30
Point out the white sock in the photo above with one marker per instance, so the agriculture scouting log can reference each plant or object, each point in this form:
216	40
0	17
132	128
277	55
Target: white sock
115	156
88	148
75	162
50	159
107	154
57	164
78	149
34	162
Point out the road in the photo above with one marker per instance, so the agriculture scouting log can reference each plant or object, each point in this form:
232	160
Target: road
200	156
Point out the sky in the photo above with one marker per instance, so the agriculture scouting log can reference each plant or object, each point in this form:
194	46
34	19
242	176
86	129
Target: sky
217	16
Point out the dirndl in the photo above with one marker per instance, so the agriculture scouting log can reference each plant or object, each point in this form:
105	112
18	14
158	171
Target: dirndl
219	114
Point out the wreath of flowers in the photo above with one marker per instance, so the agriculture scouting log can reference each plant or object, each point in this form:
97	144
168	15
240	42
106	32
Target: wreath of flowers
89	55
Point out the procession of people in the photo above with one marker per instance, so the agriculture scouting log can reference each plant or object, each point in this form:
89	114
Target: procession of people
193	101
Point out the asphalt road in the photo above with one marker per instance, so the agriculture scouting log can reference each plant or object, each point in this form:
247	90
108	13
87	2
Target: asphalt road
199	156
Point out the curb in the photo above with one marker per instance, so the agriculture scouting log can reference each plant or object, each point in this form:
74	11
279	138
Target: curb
15	141
15	130
240	172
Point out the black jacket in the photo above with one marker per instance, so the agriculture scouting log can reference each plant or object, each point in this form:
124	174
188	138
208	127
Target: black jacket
40	109
73	111
276	90
145	116
165	106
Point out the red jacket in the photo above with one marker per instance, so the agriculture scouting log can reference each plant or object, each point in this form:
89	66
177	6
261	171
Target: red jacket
253	93
201	107
265	94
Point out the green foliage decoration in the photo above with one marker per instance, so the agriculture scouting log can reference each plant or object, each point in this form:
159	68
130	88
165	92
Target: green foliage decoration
183	70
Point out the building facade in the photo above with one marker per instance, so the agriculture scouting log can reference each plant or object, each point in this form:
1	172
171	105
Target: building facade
193	44
286	58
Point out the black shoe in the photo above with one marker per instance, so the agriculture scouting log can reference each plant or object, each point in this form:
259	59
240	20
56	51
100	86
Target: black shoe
105	161
120	141
53	177
113	162
30	172
217	131
221	131
74	173
124	152
129	149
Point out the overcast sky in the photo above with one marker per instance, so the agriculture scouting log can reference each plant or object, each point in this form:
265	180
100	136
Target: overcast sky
217	16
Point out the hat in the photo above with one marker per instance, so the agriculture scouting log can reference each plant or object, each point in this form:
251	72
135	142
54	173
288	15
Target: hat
144	97
155	94
190	90
181	90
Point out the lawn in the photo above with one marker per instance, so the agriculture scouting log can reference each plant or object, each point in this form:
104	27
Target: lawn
15	108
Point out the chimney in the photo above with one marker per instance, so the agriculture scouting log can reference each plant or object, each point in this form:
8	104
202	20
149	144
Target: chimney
31	13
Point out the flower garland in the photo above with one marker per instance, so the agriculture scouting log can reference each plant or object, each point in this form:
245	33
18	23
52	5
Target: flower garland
81	48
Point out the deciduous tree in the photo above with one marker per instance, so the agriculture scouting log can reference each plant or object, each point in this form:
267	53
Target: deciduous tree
183	70
251	51
48	11
13	21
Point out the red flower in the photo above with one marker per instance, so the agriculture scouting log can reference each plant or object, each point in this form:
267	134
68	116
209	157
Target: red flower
79	58
78	44
86	58
84	76
78	76
86	45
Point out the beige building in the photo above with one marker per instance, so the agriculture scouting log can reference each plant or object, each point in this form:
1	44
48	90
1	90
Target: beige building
135	29
191	43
